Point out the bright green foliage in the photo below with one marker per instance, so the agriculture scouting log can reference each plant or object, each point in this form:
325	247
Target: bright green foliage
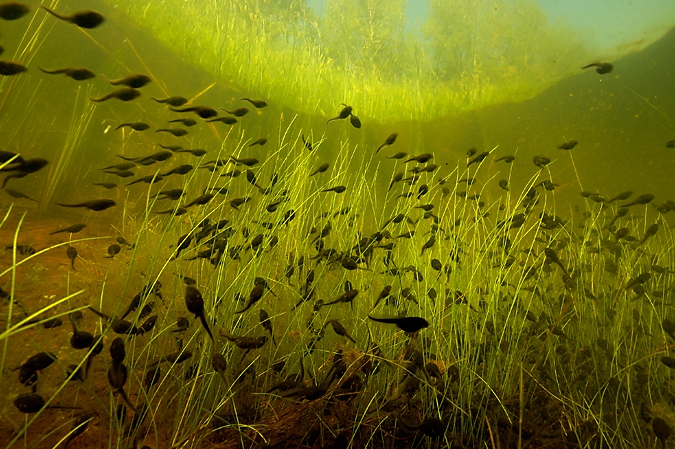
468	54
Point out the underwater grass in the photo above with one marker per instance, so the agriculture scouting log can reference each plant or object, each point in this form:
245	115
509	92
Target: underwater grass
508	337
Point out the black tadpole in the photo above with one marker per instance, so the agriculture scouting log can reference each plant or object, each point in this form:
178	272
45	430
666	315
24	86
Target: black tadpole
253	297
71	252
117	378
267	324
388	141
344	113
600	67
117	351
135	81
83	19
195	304
13	11
80	339
406	324
33	403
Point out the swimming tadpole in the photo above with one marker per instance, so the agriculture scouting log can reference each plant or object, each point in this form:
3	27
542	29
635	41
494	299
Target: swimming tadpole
308	145
266	323
121	166
247	161
172	194
344	113
135	81
662	430
428	244
336	189
339	329
16	194
71	252
121	174
113	250
33	403
8	68
198	152
125	94
175	101
21	168
76	73
508	159
421	158
182	324
406	324
255	296
568	145
84	19
180	170
12	10
601	67
621	196
240	112
347	297
320	169
117	351
80	339
258	104
71	229
399	155
136	126
95	205
176	132
388	141
479	158
225	120
650	232
202	111
642	199
262	141
195	304
118	374
200	200
184	121
246	342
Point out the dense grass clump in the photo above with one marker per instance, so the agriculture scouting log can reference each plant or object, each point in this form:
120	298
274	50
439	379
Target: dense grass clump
533	316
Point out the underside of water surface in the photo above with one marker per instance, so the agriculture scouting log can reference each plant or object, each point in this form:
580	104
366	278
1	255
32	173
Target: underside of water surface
353	228
464	56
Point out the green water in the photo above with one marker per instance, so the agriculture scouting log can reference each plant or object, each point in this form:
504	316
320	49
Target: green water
571	348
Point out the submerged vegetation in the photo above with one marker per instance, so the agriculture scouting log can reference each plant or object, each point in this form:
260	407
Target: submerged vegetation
267	319
212	271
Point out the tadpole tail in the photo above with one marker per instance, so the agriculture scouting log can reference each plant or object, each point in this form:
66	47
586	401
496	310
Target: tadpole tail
126	399
206	326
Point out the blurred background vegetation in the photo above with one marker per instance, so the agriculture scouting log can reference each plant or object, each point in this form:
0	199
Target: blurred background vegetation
462	56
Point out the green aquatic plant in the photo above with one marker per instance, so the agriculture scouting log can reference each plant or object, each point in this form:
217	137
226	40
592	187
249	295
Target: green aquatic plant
83	111
521	301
